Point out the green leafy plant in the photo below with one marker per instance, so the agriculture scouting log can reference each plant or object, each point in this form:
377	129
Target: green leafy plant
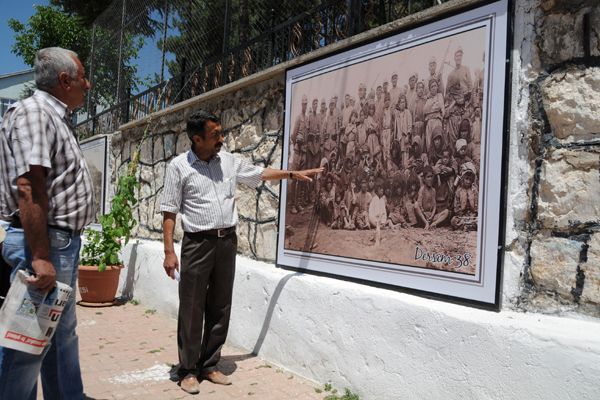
102	247
348	394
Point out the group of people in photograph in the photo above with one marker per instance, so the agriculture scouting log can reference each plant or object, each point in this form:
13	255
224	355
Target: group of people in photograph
397	155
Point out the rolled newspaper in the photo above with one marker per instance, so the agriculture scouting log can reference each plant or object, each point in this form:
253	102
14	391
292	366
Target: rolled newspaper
29	316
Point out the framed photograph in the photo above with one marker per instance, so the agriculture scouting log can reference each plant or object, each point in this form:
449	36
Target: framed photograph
409	130
95	154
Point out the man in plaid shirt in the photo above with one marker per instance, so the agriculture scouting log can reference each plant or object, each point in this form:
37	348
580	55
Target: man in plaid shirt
46	197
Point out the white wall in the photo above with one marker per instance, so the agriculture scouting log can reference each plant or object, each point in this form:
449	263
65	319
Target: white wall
389	345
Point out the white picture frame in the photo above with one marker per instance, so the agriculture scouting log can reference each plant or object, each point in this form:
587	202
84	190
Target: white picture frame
480	32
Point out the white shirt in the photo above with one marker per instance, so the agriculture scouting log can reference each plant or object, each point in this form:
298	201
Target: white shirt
204	192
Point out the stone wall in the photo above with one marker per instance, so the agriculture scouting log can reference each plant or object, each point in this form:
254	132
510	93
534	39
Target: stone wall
553	225
552	254
252	118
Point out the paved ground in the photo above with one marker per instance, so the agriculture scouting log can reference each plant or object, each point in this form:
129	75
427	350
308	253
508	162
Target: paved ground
127	353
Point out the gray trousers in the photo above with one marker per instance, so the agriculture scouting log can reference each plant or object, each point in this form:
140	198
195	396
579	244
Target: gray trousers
205	289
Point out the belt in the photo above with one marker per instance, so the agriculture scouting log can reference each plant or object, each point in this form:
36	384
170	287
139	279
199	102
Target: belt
219	233
16	223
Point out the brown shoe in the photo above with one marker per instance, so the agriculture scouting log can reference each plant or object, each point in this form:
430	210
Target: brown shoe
190	384
216	377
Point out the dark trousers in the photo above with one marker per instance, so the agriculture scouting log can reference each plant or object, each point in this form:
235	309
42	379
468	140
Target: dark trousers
205	289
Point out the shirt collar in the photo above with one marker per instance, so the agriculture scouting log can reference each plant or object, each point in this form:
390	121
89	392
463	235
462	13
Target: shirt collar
59	106
193	158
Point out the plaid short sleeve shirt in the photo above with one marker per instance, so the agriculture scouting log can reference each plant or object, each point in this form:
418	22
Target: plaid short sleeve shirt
35	131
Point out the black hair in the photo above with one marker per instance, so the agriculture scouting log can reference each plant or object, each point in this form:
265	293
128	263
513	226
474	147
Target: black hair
196	123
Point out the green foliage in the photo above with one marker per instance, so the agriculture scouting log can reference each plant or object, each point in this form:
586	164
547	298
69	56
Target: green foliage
49	27
102	247
348	395
87	10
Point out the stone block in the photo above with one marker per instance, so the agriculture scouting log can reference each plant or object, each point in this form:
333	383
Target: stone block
561	31
572	103
569	189
265	149
249	136
591	270
246	202
146	154
146	174
266	241
245	234
158	153
183	143
554	264
268	206
169	145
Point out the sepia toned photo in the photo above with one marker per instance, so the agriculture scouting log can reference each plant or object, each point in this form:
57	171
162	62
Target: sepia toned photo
401	135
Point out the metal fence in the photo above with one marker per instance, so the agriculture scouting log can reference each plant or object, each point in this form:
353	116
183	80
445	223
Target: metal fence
149	54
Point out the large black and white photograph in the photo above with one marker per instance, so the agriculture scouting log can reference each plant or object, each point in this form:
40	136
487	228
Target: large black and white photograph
94	153
403	129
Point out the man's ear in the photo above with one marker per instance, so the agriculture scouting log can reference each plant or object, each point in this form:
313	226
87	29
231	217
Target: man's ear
64	80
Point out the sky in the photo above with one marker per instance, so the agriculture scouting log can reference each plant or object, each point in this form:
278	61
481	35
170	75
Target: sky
20	10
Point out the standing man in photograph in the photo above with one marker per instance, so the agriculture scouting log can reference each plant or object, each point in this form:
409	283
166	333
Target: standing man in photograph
46	196
200	184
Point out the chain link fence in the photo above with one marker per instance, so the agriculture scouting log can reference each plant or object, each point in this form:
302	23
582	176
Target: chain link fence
149	54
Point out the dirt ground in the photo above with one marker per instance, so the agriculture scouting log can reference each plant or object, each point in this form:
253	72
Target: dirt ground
439	248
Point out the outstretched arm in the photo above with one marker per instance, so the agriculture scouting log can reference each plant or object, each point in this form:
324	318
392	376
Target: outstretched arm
271	174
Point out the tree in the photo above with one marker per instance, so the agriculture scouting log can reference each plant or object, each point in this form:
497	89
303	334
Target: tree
50	27
46	28
87	11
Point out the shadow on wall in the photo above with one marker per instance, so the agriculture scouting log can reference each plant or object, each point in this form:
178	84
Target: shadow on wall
129	285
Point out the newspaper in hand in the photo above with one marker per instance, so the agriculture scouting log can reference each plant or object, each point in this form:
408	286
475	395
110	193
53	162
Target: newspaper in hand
29	316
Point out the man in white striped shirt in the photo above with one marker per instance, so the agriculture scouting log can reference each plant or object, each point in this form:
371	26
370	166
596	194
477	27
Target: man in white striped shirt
200	184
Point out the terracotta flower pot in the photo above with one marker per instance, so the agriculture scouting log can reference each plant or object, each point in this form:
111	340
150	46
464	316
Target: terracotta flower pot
96	286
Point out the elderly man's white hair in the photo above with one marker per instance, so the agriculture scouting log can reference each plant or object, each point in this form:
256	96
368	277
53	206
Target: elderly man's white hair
49	63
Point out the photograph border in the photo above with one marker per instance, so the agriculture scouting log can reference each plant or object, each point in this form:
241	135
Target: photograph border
91	143
429	281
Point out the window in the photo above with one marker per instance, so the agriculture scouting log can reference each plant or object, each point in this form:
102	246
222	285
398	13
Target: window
4	104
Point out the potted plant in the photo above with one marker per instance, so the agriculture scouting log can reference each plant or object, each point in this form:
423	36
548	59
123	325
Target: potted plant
100	264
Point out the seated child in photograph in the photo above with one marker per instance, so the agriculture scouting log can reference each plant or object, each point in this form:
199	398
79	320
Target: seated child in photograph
326	201
466	200
417	160
473	149
350	200
426	202
363	200
377	211
460	156
338	218
409	202
435	153
395	208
